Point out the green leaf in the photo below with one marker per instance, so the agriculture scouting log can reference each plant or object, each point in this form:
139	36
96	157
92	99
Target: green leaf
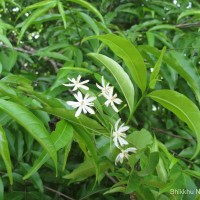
1	190
182	66
62	13
90	22
90	7
83	121
156	69
116	189
182	107
5	40
61	137
130	55
33	17
86	169
189	12
32	124
192	173
51	55
163	26
4	152
37	181
120	75
151	164
140	139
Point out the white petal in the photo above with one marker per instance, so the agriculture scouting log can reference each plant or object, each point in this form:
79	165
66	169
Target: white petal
117	101
99	86
107	103
122	142
68	85
78	78
90	99
102	81
116	124
75	88
80	96
114	107
131	149
90	110
123	128
119	158
115	140
83	87
83	82
73	104
84	110
78	112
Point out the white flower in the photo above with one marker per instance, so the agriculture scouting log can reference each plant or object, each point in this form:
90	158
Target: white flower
112	99
105	88
83	104
77	84
124	154
119	135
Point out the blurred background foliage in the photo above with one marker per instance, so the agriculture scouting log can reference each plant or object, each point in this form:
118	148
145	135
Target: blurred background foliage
41	45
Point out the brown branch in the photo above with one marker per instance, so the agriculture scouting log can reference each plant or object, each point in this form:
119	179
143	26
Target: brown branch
170	134
31	51
59	193
188	25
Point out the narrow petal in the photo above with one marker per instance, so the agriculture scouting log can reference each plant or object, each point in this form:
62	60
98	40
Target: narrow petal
90	99
131	149
90	110
68	85
78	78
122	142
99	86
83	87
80	96
114	107
78	112
117	124
74	104
75	88
103	82
107	103
115	140
117	101
83	82
123	128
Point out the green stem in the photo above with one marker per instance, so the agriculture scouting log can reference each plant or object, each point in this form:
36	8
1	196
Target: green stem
136	106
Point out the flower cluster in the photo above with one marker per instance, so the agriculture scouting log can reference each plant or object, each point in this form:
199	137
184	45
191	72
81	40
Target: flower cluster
119	139
85	103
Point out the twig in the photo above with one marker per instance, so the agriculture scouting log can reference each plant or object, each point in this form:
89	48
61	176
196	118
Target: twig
31	51
170	134
59	193
111	178
188	25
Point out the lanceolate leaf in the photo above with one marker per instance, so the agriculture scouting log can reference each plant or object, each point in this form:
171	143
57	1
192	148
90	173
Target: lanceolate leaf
182	107
120	75
62	136
32	124
156	69
4	152
62	13
186	70
83	121
33	17
130	55
89	7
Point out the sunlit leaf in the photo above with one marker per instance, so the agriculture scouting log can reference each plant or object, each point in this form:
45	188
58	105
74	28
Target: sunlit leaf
4	152
32	124
182	107
120	75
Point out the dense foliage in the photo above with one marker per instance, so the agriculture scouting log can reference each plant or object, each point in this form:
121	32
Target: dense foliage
99	99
